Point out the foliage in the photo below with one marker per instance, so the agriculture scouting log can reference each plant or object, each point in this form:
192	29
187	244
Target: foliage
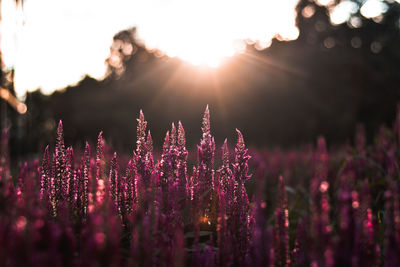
308	207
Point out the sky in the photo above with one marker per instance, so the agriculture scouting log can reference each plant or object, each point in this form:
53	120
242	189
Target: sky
54	43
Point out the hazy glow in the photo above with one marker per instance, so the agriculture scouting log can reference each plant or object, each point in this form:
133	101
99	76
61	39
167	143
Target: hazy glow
325	2
205	32
61	41
10	24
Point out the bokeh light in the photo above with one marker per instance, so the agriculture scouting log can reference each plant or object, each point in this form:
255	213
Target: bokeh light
342	12
373	8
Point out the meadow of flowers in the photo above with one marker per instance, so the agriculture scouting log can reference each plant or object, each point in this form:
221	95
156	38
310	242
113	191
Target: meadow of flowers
306	207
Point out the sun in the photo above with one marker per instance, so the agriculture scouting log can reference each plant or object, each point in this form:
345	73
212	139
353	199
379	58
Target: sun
208	32
207	49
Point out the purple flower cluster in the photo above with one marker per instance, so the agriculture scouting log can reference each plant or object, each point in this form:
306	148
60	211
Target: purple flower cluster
307	207
80	209
343	206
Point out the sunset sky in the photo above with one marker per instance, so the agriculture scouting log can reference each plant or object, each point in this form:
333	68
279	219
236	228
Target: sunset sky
52	44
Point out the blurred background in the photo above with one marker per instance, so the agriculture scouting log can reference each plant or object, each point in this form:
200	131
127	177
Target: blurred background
283	72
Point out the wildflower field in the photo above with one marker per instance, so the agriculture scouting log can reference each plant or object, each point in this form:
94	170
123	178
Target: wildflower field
312	206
